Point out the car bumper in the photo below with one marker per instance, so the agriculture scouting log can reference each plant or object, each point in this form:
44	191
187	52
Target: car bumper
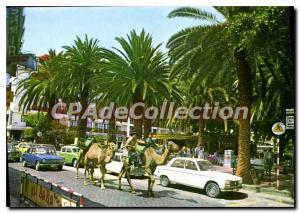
231	188
46	165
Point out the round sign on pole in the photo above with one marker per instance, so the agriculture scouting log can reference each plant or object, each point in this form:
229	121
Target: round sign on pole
278	128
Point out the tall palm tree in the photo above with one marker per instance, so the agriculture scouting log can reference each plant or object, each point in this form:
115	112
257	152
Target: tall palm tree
138	72
80	66
39	90
228	50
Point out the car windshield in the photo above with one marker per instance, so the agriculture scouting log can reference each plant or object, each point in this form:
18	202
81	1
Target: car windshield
45	150
205	166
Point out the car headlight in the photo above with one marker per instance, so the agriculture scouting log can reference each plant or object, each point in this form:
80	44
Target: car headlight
227	183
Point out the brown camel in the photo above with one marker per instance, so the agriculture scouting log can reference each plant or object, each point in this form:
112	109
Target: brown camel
98	155
151	160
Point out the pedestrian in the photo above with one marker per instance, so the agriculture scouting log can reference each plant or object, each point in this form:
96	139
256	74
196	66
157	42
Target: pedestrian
182	152
268	162
201	153
188	152
197	149
205	155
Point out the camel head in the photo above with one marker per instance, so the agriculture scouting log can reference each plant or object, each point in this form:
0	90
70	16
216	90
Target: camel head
110	151
172	147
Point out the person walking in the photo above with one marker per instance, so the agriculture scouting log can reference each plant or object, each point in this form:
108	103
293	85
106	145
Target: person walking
182	152
268	163
197	149
201	153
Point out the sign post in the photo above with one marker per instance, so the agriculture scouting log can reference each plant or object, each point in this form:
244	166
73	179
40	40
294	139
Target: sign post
278	129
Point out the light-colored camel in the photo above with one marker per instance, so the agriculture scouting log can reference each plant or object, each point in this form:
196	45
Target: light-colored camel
98	155
151	160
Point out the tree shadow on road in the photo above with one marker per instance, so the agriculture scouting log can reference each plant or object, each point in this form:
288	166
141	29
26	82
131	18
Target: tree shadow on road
233	196
160	194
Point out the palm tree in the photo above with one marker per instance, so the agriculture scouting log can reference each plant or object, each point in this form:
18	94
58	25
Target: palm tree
138	72
80	66
228	50
39	90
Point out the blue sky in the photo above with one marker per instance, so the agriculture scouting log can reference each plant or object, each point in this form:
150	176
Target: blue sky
53	27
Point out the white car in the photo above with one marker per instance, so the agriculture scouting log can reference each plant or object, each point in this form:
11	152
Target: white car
199	174
116	164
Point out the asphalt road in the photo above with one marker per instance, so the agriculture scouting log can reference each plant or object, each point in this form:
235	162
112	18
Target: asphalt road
173	196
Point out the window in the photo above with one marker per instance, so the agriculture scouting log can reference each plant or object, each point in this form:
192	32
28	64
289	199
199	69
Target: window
178	164
63	149
75	150
69	149
205	165
191	165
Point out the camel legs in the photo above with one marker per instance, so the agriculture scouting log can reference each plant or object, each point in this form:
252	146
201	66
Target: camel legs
129	179
126	169
91	172
102	171
151	182
151	186
80	159
120	176
85	171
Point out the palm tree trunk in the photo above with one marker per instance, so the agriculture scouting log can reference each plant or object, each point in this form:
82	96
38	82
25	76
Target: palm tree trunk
138	123
81	125
51	103
201	133
112	128
147	127
245	100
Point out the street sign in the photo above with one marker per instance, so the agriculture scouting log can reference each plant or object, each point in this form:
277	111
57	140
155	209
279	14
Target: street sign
289	111
289	122
278	128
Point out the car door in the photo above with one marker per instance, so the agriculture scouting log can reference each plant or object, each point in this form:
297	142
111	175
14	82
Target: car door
62	153
192	177
176	171
30	156
68	155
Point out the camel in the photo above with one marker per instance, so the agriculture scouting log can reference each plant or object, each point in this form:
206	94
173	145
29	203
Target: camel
151	160
98	155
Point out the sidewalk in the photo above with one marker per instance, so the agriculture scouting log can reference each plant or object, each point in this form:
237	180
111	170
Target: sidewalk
286	184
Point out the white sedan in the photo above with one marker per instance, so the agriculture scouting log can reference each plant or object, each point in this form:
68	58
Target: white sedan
199	174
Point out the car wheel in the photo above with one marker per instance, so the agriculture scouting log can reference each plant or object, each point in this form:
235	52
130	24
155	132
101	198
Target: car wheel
37	166
212	190
164	180
75	163
24	163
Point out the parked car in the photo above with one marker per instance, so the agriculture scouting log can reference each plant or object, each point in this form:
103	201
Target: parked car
13	153
116	164
42	156
23	147
69	154
199	174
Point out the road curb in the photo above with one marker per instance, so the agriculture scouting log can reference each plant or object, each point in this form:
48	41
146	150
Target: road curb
283	195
